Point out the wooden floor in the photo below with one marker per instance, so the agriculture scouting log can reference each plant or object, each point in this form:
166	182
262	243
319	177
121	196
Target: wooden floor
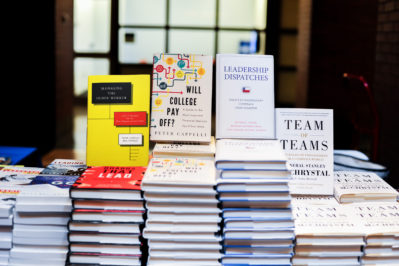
78	141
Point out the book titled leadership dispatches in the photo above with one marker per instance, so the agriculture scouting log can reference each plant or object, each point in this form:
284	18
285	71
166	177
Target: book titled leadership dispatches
244	96
181	98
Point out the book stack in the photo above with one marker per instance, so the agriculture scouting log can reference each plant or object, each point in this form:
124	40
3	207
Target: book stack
42	213
107	216
380	222
253	189
183	214
326	235
40	235
11	181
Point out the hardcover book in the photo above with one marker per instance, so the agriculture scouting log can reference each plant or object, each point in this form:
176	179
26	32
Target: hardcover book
180	172
199	151
233	154
117	120
119	183
245	96
46	193
181	98
352	187
306	135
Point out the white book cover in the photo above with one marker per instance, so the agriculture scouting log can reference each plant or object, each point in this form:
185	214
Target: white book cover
183	217
49	252
249	154
313	200
377	218
325	220
128	228
104	260
179	171
177	198
174	244
32	231
181	98
104	238
362	186
152	261
49	218
173	226
185	150
244	96
307	137
106	249
188	254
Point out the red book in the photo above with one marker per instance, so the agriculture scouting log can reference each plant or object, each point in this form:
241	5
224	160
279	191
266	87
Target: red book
115	183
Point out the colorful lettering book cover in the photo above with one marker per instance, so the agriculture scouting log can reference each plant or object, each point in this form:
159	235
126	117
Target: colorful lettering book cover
182	171
117	120
181	98
245	96
111	178
306	135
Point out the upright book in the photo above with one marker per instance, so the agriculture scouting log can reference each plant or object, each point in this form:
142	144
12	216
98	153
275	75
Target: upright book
117	120
244	96
181	98
306	135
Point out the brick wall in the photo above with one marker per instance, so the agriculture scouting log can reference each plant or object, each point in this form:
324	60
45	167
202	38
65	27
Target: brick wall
386	84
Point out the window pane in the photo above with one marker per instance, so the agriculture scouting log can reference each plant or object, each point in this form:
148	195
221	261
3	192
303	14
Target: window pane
92	23
139	45
84	67
288	50
192	13
192	41
139	12
289	14
237	42
242	14
287	87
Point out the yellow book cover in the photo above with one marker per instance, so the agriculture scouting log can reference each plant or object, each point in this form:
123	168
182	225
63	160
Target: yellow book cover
117	120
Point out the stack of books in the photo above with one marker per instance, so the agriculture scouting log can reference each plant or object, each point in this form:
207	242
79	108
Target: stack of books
7	199
326	235
11	180
380	222
107	217
253	189
42	212
183	216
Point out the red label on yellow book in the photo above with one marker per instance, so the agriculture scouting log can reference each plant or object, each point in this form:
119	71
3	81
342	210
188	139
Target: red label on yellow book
130	119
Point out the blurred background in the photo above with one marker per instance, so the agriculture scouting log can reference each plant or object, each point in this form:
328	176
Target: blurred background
336	54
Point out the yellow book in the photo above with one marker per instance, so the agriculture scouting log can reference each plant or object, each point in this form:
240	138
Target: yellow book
117	120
